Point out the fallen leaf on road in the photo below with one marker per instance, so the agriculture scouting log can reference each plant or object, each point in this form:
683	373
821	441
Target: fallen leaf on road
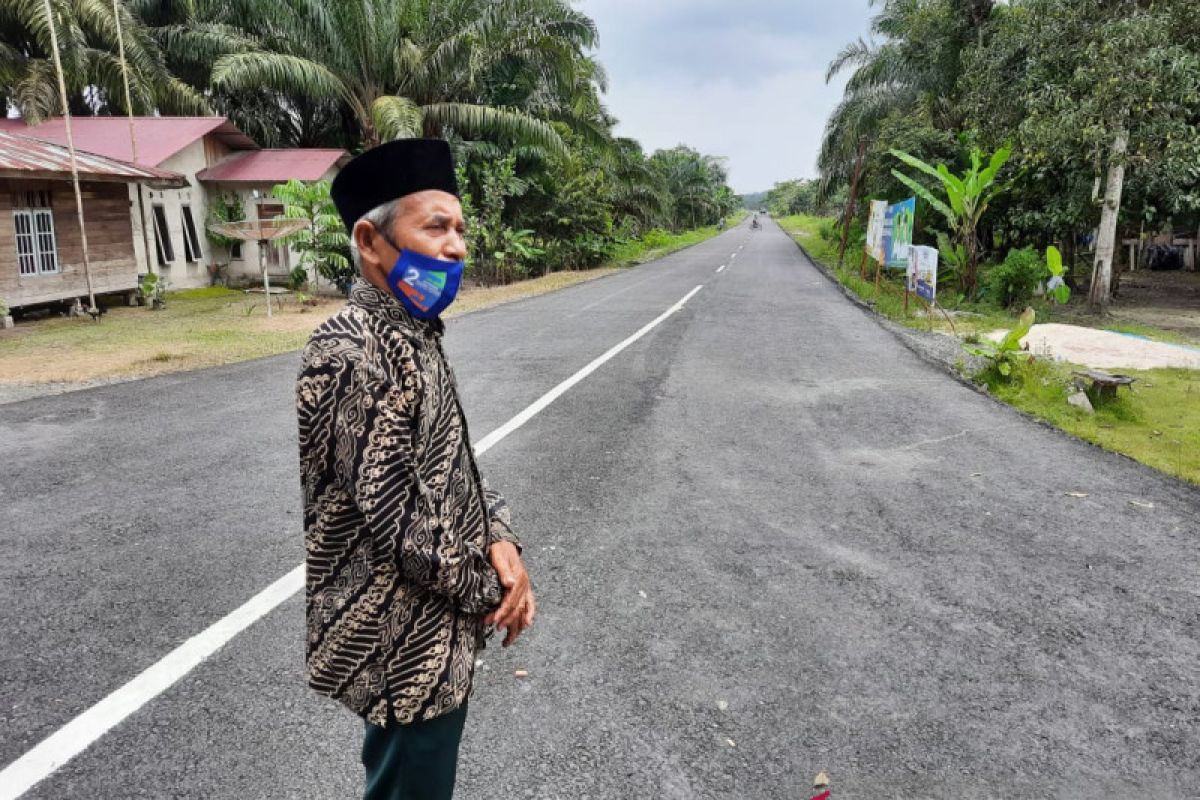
1141	504
521	673
731	742
641	594
821	781
721	704
976	474
1075	494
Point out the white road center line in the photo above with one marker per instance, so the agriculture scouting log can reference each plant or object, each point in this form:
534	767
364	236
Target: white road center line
79	734
720	268
486	443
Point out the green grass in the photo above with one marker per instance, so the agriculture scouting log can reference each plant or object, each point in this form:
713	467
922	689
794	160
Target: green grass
1158	423
814	234
658	244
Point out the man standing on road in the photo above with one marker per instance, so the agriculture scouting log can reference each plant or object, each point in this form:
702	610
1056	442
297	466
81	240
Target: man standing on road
411	558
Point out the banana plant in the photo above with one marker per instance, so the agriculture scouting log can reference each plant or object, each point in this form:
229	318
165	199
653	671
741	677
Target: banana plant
1002	356
966	198
1055	287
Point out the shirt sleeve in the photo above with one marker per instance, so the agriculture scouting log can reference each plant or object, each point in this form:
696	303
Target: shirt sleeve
376	432
500	528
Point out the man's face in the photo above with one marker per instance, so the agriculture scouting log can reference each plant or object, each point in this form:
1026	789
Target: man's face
429	223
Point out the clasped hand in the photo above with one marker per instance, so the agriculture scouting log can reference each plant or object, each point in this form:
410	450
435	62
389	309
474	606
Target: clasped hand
517	607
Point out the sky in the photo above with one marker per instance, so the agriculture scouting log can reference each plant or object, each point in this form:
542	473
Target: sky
745	81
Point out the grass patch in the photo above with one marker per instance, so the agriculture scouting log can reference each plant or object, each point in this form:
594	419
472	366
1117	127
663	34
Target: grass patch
199	328
816	235
657	244
1157	423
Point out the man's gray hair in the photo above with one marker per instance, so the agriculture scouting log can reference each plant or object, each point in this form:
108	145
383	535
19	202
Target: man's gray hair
382	217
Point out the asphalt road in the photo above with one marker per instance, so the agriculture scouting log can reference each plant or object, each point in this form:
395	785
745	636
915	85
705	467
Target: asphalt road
767	541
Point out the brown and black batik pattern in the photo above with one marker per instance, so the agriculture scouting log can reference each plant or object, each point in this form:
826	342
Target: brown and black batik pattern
397	519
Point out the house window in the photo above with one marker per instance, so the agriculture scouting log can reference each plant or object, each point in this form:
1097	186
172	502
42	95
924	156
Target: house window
277	255
235	251
162	237
37	248
191	242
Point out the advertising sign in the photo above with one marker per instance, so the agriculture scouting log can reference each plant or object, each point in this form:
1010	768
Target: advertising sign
922	271
897	233
874	243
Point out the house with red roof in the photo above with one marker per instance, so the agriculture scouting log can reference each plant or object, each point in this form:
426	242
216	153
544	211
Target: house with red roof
41	244
214	163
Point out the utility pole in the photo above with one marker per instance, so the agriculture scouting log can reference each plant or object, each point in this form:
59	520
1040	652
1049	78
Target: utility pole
62	91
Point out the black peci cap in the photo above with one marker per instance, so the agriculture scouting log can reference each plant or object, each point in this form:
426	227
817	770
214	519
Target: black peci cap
391	171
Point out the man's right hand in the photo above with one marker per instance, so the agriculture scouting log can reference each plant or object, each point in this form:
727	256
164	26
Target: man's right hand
517	608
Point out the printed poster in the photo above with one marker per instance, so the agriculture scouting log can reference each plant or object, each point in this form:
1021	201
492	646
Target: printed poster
874	243
898	232
922	271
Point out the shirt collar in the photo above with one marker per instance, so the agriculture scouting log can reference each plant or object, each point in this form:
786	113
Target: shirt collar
383	305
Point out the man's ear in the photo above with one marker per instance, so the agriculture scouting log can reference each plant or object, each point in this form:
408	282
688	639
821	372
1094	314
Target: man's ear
366	239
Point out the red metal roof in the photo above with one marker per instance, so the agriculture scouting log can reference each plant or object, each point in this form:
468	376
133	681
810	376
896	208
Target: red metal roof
26	157
273	166
158	138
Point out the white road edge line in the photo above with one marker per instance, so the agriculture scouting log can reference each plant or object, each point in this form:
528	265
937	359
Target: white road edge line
80	733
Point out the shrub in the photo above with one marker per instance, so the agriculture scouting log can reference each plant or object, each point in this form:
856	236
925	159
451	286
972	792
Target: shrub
656	238
1012	283
297	278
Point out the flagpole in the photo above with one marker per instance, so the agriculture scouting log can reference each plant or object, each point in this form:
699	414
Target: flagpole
62	90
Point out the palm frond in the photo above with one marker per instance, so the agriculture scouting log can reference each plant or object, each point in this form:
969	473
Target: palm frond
492	122
397	118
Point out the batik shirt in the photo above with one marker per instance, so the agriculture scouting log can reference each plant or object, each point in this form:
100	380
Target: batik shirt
397	519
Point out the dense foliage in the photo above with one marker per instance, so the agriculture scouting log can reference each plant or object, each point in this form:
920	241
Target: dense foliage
1084	92
511	84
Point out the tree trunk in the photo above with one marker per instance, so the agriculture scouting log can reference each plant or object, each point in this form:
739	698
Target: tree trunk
1101	289
852	200
971	251
1068	250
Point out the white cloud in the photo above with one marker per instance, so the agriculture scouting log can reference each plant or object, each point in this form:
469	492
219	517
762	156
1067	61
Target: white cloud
745	82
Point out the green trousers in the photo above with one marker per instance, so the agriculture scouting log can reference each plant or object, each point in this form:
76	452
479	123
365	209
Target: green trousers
417	761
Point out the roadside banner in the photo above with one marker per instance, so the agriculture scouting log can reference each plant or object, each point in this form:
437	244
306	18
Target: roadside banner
874	243
922	271
898	232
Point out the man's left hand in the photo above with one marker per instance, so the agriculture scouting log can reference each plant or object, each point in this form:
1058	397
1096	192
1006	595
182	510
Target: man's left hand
517	608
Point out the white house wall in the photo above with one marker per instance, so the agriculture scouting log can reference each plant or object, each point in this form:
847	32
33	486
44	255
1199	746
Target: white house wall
181	273
248	266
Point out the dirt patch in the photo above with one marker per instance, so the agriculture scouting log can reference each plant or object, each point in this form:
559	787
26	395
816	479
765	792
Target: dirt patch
1169	300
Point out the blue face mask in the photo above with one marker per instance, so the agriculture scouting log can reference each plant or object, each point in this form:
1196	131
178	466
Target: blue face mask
424	285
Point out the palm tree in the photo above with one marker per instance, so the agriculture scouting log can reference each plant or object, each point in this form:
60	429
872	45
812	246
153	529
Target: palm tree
87	34
912	69
402	68
693	182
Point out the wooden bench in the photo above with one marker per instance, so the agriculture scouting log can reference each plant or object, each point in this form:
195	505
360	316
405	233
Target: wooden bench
1102	383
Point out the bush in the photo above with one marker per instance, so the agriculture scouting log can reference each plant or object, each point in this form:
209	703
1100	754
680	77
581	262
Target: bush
1014	282
829	230
655	238
297	278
